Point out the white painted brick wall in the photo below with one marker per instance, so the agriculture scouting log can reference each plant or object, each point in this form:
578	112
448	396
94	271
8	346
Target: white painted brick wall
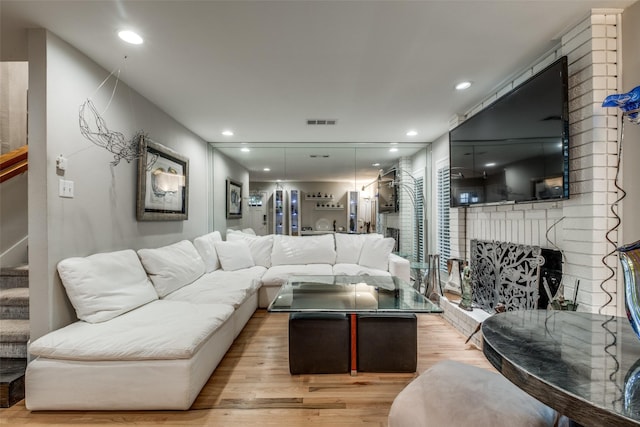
582	221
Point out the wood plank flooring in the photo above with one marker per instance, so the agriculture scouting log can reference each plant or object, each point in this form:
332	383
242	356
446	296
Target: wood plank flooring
252	386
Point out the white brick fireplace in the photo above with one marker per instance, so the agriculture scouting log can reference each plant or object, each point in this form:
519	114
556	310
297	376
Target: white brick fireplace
577	226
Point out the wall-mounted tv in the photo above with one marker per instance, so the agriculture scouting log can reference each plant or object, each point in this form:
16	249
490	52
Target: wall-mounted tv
517	149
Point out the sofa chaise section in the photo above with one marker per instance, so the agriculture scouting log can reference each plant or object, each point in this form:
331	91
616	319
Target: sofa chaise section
144	339
158	356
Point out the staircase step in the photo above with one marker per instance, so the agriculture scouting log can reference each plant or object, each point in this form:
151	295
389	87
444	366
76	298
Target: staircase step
14	303
11	381
14	334
15	277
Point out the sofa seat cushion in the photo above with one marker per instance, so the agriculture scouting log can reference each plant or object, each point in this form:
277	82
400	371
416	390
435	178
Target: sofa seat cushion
103	286
221	287
295	250
158	330
172	267
357	270
278	275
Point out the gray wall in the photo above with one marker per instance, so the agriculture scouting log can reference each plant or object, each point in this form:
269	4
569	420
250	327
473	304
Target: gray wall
222	168
13	105
13	221
631	143
101	216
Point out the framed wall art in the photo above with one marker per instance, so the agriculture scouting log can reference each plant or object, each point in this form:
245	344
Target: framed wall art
163	184
234	199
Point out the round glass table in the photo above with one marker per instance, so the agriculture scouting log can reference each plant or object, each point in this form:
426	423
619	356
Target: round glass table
586	366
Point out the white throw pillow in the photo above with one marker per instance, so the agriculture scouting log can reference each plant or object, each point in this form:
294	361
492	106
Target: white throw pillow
234	255
103	286
172	267
295	250
207	250
375	253
249	231
259	246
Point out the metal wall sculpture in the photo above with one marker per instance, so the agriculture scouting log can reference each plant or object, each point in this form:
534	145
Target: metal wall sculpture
505	274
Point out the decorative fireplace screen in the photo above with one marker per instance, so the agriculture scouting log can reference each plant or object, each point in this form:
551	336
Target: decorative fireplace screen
505	273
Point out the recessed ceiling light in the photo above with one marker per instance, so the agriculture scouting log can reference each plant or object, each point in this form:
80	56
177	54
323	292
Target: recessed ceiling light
393	150
266	170
130	37
245	149
227	132
463	85
488	165
376	164
412	133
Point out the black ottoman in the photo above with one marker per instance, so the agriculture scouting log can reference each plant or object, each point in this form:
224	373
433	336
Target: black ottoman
319	343
387	342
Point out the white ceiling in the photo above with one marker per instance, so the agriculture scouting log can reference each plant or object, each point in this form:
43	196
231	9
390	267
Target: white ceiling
262	68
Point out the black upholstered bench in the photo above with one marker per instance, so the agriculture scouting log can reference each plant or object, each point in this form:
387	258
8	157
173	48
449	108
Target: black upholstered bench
387	342
319	343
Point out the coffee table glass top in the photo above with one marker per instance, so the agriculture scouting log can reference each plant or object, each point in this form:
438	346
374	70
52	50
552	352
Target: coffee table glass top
350	294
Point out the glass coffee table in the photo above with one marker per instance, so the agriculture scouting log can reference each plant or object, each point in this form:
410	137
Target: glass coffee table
350	294
389	299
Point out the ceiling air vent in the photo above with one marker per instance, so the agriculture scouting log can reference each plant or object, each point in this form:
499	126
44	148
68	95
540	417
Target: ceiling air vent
321	122
319	156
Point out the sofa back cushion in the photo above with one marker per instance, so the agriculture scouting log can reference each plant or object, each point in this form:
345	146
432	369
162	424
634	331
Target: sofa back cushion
103	286
294	250
172	267
375	253
259	246
207	250
349	246
234	255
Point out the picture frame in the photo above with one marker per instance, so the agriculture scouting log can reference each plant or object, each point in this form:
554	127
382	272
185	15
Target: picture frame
163	183
234	199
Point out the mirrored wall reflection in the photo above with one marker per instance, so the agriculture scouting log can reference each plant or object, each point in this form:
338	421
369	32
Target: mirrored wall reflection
304	189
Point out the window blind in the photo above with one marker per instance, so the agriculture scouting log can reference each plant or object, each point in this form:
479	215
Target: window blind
444	238
419	240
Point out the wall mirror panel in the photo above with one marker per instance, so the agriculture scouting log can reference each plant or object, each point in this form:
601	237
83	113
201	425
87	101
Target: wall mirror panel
314	188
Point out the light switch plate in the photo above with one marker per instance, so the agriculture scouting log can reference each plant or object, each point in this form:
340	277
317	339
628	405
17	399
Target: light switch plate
65	188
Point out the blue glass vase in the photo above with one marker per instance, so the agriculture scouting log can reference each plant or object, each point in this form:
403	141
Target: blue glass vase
630	260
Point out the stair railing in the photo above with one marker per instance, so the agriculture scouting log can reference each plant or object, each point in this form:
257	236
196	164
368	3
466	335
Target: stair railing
14	163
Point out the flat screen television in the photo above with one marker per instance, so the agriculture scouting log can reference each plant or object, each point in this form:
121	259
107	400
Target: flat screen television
517	149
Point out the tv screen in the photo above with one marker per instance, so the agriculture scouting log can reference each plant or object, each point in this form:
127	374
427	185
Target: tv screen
517	149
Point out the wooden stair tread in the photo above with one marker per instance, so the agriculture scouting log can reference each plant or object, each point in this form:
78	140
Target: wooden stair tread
14	296
14	330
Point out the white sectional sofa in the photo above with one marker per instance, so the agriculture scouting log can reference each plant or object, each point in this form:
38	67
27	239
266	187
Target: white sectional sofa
154	325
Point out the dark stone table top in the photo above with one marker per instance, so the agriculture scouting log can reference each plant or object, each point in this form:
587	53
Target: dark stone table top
586	366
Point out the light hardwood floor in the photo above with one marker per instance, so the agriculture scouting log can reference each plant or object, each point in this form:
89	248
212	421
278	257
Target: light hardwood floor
252	386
